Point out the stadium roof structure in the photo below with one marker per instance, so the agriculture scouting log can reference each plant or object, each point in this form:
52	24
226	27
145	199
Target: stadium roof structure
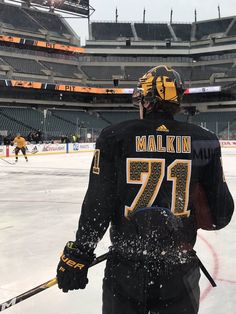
80	8
30	23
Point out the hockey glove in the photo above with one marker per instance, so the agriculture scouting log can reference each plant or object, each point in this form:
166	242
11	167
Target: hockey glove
73	268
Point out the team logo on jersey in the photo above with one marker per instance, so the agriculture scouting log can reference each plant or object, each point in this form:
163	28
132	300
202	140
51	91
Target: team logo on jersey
162	128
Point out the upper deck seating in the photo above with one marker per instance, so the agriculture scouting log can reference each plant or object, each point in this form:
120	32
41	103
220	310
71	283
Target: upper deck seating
206	28
14	17
151	31
111	31
182	31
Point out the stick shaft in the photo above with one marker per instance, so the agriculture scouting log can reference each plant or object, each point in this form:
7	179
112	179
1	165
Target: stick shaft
10	163
42	287
206	273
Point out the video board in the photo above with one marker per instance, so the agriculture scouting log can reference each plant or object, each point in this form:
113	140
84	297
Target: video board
80	7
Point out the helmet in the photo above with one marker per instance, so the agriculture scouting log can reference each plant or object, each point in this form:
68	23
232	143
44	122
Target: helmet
160	89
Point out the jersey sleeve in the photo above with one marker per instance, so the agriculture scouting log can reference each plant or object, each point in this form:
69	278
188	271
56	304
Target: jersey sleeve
99	201
219	199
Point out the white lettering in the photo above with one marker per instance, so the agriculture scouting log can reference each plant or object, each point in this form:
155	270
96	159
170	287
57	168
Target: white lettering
8	304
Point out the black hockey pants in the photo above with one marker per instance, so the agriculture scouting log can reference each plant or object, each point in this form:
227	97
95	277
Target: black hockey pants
128	288
22	149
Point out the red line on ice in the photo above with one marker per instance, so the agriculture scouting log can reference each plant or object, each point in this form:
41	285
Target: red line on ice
215	272
227	280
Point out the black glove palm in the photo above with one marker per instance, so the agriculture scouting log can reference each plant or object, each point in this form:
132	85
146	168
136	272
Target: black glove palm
73	267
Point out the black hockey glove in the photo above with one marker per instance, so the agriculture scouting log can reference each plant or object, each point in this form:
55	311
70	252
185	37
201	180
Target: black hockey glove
73	268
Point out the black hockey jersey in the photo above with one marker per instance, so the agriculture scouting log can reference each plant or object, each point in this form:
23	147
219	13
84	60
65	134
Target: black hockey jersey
172	167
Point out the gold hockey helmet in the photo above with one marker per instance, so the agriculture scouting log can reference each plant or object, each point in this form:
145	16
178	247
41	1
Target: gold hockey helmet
159	86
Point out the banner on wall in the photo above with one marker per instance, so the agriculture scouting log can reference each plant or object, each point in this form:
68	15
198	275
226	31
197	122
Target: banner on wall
40	149
226	144
79	147
49	149
87	89
41	44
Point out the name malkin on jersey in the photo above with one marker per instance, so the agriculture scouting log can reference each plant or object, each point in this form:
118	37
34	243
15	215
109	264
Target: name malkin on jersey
163	144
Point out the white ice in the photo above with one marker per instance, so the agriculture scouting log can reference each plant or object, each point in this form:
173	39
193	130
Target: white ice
40	205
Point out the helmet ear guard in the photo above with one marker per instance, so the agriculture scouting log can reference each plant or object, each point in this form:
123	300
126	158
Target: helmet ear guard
138	97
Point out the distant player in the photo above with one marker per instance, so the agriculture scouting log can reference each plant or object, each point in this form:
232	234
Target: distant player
156	181
20	143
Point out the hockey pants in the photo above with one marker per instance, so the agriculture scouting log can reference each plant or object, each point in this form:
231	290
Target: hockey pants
129	289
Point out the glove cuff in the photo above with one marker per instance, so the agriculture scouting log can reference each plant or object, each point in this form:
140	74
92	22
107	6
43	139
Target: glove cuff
72	249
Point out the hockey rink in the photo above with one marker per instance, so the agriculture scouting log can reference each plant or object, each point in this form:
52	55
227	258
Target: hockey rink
40	205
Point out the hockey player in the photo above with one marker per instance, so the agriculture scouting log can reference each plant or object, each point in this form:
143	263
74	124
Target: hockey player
156	181
20	143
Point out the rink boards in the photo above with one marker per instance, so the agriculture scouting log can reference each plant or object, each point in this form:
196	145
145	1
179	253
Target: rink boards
49	148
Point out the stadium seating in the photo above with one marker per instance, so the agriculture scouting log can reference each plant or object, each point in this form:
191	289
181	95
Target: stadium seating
49	21
182	31
133	73
116	117
60	69
111	31
24	65
33	23
19	120
82	118
101	72
9	125
57	122
148	31
206	28
124	51
185	72
205	71
217	122
232	31
2	62
66	122
21	20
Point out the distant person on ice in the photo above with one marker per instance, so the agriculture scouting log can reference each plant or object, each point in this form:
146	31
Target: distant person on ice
20	143
155	181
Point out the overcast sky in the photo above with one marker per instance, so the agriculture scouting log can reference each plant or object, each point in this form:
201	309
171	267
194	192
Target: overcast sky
156	11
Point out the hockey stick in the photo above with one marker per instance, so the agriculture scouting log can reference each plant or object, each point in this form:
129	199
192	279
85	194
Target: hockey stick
42	287
10	163
206	273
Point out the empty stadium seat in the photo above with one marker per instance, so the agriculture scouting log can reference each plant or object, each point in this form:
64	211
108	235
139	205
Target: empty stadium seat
111	31
151	31
205	28
24	65
101	72
182	31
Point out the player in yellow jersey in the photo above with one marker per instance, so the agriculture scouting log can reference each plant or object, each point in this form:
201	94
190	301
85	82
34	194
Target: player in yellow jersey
20	143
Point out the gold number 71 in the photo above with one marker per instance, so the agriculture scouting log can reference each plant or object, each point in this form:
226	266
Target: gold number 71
150	174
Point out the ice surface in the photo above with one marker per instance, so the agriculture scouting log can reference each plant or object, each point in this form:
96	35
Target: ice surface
40	204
